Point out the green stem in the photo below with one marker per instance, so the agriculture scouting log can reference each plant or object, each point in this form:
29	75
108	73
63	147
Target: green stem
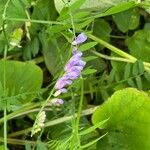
21	110
5	106
79	112
144	4
31	108
36	60
4	75
118	51
19	142
5	128
43	106
57	121
112	48
111	58
35	21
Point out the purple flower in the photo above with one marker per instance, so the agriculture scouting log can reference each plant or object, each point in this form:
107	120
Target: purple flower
80	39
63	90
62	82
73	68
74	62
56	102
74	50
73	75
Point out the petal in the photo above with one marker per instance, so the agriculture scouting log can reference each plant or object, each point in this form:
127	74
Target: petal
80	39
74	50
62	82
73	75
77	69
77	55
74	60
60	91
81	63
56	102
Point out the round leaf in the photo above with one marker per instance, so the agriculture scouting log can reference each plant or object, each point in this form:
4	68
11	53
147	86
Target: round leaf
128	127
20	78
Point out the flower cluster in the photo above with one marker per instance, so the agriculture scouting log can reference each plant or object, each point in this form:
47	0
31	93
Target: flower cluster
72	71
39	122
73	68
56	102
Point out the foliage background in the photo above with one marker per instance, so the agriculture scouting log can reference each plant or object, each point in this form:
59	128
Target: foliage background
35	44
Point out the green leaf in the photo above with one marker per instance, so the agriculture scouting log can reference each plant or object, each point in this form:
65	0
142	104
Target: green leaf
80	25
139	82
119	8
111	76
141	67
102	30
16	9
128	127
89	58
2	147
2	3
31	49
44	10
41	146
89	71
117	77
131	82
55	52
87	46
114	5
147	76
127	71
135	70
91	129
127	20
35	46
139	45
92	142
28	146
21	78
76	5
81	14
117	66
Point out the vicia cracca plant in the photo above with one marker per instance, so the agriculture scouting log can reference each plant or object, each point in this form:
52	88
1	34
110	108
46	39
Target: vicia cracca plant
73	68
72	71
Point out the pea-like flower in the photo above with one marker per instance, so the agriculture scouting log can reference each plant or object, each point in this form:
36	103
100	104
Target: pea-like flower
39	123
56	102
72	71
73	68
80	39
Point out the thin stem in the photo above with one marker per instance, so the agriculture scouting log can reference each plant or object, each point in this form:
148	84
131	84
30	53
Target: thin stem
4	75
117	37
111	58
79	112
118	51
5	128
43	106
73	121
111	47
35	21
5	106
144	4
19	142
57	121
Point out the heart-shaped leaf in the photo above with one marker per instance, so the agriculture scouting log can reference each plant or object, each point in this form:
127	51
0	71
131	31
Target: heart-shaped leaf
20	78
128	126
